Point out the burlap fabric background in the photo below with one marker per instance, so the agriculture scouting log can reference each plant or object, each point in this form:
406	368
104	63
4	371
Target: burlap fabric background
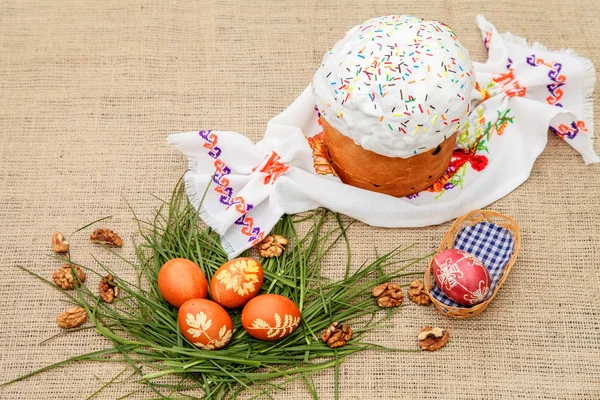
89	90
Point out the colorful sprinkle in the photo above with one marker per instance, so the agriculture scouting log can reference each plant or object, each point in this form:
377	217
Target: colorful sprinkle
390	59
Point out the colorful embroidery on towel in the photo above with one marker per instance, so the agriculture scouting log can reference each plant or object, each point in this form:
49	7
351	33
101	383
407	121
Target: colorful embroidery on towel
222	182
222	187
558	79
487	40
510	84
273	168
485	93
556	92
569	132
476	143
510	63
255	235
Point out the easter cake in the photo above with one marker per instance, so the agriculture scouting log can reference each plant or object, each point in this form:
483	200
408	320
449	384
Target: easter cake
392	96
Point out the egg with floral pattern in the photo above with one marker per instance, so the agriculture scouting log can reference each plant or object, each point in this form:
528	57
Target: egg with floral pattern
236	282
270	317
461	276
205	324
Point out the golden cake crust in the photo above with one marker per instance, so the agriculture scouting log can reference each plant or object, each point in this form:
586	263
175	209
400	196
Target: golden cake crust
394	176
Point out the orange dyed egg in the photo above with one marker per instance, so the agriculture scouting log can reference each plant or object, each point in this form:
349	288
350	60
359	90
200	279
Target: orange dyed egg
180	280
236	282
270	317
205	324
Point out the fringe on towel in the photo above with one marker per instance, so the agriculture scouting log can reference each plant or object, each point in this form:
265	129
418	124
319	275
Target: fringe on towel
589	80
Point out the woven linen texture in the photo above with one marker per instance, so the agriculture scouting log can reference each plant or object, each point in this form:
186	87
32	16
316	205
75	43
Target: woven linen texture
89	91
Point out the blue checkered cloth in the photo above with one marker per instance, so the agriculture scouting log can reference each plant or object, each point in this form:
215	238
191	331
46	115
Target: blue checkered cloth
492	244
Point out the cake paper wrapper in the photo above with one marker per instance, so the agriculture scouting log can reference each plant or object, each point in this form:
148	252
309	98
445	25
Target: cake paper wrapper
241	189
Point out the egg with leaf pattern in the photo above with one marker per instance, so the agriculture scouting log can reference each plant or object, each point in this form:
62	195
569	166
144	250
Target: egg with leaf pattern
236	282
270	317
461	276
205	324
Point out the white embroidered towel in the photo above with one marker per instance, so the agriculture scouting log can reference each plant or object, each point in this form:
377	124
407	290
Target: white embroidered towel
521	92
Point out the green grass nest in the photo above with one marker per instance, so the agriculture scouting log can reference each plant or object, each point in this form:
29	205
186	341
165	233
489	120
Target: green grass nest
143	326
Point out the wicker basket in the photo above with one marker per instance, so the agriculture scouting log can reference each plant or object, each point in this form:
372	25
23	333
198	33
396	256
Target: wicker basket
470	219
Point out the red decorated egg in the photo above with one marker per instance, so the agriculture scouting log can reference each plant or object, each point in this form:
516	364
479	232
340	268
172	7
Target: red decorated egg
270	317
205	324
236	282
461	276
180	280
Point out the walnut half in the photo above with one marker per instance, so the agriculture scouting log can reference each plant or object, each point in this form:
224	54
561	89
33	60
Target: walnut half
59	244
72	318
336	335
107	288
433	339
418	294
272	246
106	236
63	277
388	295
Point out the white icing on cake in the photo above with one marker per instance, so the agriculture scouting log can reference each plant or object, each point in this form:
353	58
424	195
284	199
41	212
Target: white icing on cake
396	85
